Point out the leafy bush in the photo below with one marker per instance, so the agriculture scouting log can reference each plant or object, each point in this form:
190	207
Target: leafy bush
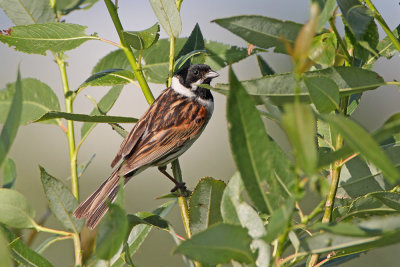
256	219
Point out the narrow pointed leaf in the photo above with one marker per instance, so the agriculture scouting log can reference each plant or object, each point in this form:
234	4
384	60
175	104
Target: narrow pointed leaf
39	38
205	203
104	105
249	143
168	15
111	232
12	121
140	40
21	253
264	67
218	244
109	77
378	232
61	201
359	140
324	93
300	127
185	60
194	42
24	12
140	232
15	210
9	174
266	172
279	87
262	31
86	118
37	99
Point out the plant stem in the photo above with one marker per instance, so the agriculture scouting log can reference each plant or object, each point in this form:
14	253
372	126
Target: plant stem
383	24
40	228
171	59
70	125
337	166
69	98
129	53
340	40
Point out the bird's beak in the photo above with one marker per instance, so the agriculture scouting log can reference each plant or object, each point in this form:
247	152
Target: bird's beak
211	74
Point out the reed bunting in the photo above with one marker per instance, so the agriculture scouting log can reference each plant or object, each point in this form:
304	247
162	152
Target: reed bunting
168	128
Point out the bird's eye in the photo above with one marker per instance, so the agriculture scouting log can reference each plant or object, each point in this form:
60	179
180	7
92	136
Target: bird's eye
196	72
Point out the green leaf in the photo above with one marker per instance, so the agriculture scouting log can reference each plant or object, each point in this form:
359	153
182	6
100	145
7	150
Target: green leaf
61	201
22	253
300	127
37	99
375	203
67	6
359	140
357	16
218	244
168	15
39	38
266	172
323	49
184	60
113	60
220	55
249	143
358	178
279	220
109	77
10	174
264	67
279	87
111	232
139	233
12	121
324	93
141	40
231	198
15	210
87	118
104	105
327	8
24	12
156	58
204	204
5	259
386	47
193	43
262	31
379	232
149	219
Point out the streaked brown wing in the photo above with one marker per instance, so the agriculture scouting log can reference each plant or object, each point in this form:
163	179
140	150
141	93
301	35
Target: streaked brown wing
170	140
139	129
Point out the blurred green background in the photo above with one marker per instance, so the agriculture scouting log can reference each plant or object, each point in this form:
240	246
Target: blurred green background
210	155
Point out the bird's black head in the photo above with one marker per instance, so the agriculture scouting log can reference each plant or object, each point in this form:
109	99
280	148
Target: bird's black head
194	75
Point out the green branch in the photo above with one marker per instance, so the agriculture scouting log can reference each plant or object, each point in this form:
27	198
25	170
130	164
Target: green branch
129	53
383	24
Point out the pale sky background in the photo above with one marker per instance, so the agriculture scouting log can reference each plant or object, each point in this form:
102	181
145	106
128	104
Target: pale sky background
210	155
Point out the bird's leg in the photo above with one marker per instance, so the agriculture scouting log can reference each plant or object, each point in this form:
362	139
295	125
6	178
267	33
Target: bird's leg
178	185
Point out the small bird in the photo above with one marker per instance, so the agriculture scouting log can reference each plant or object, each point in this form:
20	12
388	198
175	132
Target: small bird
166	130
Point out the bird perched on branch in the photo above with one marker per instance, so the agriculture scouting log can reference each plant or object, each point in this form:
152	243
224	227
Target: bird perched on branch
166	130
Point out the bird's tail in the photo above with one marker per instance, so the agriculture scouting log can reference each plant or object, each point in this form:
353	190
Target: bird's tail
95	206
